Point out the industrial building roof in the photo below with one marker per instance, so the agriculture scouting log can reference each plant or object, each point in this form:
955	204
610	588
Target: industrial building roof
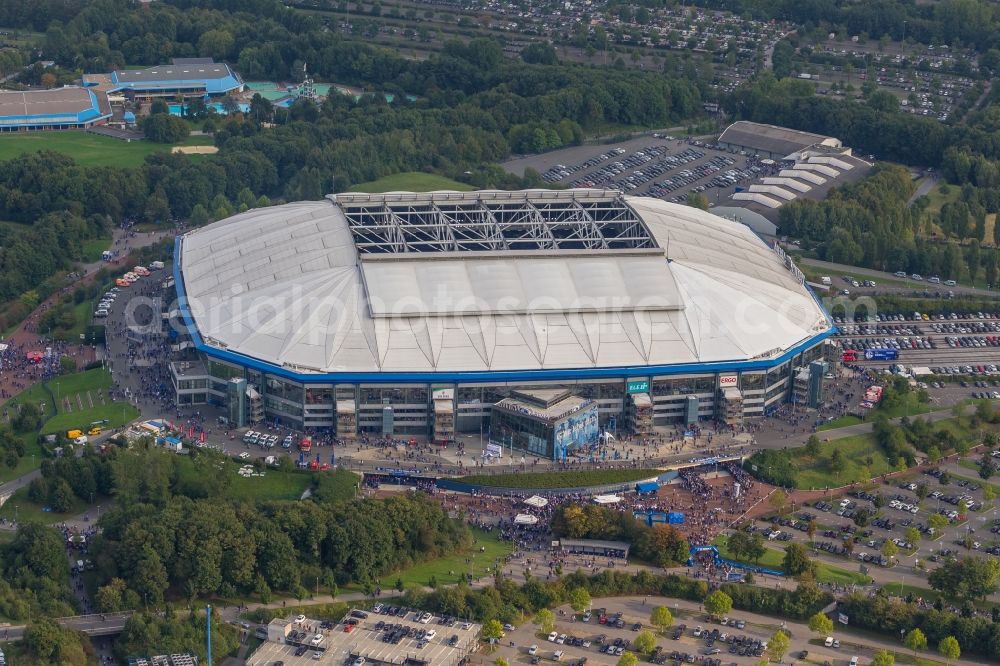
55	106
771	138
198	73
290	286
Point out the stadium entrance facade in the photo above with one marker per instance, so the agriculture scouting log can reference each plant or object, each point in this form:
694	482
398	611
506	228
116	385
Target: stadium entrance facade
540	319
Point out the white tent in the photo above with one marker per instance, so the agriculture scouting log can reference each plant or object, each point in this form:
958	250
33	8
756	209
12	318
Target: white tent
607	499
525	519
536	501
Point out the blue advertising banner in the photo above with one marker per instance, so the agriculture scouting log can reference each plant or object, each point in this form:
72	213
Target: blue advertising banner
580	430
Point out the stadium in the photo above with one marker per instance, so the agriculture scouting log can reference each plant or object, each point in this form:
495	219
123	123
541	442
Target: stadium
543	318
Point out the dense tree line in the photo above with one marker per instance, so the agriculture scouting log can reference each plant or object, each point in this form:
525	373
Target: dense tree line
976	635
34	578
510	602
154	540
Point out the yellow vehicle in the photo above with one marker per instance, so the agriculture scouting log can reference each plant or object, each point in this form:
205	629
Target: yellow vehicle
73	434
96	430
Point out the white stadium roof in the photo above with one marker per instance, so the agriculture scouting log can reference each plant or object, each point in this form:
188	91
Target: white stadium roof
490	281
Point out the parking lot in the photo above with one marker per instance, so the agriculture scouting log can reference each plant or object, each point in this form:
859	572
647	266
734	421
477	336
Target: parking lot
659	166
608	633
379	636
897	513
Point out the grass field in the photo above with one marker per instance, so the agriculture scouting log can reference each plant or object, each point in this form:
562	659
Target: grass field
96	379
116	414
826	573
814	472
411	181
88	149
274	485
575	479
29	511
92	249
446	570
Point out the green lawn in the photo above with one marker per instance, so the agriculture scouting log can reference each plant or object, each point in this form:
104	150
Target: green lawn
814	472
87	149
411	181
29	511
574	479
275	484
116	414
446	570
92	249
826	574
92	380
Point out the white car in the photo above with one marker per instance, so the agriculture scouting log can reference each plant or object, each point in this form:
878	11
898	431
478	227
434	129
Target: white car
300	619
101	312
552	637
316	640
430	634
244	455
562	639
532	650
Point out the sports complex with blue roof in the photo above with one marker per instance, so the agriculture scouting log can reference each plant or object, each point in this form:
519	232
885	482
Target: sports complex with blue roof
59	108
188	77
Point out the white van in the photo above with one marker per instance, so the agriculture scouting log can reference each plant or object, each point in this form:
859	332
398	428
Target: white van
557	655
828	642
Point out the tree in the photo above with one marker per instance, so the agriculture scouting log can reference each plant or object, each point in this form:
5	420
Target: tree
986	467
500	661
493	630
579	599
697	200
110	596
813	445
949	648
661	618
883	658
820	624
811	529
777	646
937	522
645	642
796	561
627	659
912	535
989	494
165	128
718	603
889	549
970	578
915	640
67	365
778	500
199	216
545	620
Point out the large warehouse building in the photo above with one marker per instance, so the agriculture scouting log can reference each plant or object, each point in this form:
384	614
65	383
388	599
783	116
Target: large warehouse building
568	312
59	108
184	77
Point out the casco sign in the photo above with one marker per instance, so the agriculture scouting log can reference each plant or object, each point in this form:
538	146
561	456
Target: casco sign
726	381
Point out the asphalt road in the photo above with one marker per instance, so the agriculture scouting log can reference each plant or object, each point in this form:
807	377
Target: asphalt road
887	280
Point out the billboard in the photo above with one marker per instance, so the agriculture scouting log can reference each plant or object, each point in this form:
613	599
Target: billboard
637	386
728	381
577	431
881	354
